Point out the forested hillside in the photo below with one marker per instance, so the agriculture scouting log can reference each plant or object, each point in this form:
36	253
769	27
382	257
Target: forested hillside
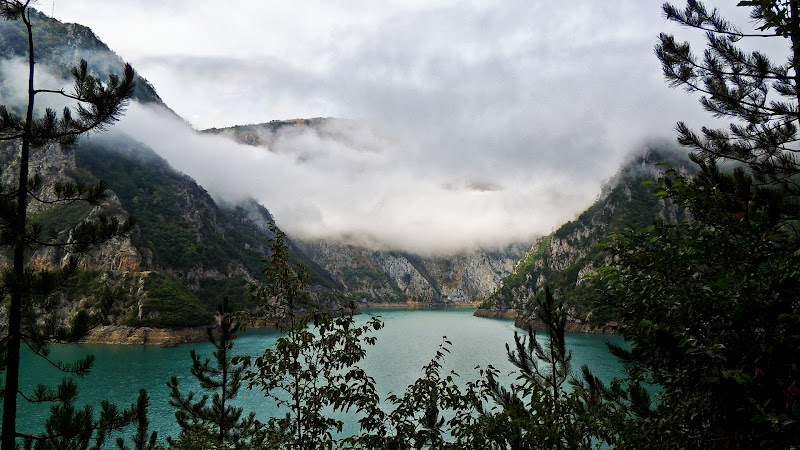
187	250
565	258
369	274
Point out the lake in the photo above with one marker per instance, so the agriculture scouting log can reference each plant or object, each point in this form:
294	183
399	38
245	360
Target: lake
408	341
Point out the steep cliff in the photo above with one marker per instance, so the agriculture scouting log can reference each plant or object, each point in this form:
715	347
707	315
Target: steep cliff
60	46
564	258
378	275
185	253
392	276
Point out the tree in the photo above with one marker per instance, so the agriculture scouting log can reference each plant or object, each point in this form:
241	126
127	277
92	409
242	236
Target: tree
538	411
143	439
219	424
762	97
98	104
710	305
313	369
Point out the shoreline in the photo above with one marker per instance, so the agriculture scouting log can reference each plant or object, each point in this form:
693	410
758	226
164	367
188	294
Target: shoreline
411	305
173	337
572	325
163	337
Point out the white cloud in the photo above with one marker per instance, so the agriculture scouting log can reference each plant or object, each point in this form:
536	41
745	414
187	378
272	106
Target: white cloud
347	180
540	100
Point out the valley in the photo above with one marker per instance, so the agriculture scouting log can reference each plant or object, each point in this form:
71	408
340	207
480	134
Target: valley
189	248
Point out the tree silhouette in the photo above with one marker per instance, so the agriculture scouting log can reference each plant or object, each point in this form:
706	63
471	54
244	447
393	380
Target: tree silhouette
97	104
218	423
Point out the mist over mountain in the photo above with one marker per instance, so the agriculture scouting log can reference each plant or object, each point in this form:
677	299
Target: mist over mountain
202	230
441	185
373	215
566	258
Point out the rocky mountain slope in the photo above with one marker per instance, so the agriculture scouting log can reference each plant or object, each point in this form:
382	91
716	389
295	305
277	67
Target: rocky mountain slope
379	275
564	258
394	276
185	253
60	46
187	250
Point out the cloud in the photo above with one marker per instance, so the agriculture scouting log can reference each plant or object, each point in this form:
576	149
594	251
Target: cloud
347	181
472	121
14	75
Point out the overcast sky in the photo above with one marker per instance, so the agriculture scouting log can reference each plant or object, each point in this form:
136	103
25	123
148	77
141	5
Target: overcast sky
487	121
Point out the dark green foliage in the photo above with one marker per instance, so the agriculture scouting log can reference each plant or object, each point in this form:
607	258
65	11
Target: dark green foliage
416	419
179	221
527	266
147	189
143	439
539	412
66	217
313	369
713	316
711	304
169	304
626	202
218	425
71	428
32	311
234	289
536	412
761	96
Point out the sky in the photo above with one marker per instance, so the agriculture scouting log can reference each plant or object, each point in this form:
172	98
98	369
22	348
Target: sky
463	122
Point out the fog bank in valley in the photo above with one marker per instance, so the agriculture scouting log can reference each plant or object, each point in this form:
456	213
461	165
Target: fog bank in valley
365	185
465	122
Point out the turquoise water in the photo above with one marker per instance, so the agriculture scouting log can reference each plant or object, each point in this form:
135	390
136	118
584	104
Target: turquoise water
407	342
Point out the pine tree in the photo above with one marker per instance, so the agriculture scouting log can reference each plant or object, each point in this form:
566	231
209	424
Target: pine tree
218	424
537	411
761	97
143	439
710	305
25	291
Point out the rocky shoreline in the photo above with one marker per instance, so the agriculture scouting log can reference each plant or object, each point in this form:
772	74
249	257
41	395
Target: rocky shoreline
416	305
164	337
496	313
572	325
172	337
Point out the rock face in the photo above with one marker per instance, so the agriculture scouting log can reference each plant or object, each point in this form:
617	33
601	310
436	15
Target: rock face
109	334
381	276
187	251
564	259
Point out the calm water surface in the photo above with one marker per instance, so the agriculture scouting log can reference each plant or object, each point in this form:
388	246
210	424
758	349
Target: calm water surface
407	342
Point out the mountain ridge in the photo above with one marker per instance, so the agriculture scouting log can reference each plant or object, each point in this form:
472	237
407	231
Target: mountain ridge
189	250
569	255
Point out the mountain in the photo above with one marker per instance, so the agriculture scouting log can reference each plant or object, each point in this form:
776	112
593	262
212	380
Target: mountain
186	252
189	250
370	274
60	46
565	258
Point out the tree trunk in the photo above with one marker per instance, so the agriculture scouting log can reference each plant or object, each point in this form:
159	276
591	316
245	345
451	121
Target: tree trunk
18	284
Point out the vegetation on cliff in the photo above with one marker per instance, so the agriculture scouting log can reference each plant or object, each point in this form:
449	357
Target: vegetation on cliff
27	289
708	293
566	258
